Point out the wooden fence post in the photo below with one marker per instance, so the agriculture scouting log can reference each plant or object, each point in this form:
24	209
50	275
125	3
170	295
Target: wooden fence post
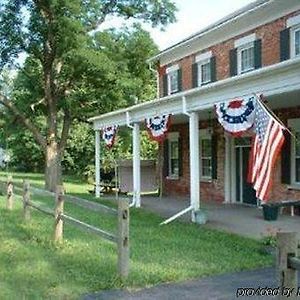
59	209
287	277
10	193
26	200
123	238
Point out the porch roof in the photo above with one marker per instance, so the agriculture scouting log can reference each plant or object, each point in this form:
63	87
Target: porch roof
271	80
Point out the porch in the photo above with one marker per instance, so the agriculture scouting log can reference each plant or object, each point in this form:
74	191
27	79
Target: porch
235	218
279	83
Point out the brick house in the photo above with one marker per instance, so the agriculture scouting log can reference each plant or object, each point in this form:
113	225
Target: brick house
254	50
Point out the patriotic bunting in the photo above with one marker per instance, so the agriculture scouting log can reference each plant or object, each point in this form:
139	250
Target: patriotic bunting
109	135
242	114
158	127
237	115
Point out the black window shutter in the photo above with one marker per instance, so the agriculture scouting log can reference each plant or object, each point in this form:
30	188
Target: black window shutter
180	160
257	54
233	62
286	159
195	75
213	70
179	78
285	44
166	158
165	85
214	156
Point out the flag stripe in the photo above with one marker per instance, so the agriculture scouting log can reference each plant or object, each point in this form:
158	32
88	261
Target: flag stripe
266	146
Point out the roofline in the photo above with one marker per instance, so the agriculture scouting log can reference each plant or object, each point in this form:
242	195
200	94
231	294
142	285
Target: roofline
219	24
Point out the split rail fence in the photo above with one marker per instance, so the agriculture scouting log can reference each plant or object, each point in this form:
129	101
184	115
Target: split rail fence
288	264
121	238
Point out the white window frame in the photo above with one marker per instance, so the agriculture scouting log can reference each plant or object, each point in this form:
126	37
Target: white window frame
202	59
205	134
243	44
172	137
239	57
292	41
171	71
295	125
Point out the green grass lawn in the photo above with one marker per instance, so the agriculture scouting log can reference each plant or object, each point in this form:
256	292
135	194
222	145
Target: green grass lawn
32	267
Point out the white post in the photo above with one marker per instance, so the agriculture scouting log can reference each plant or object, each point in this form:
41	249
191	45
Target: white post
194	163
227	172
136	165
97	163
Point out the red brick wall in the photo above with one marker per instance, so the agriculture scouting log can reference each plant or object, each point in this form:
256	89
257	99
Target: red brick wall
270	35
214	191
209	191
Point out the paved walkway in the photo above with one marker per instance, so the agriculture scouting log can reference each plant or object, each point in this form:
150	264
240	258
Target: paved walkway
235	218
221	287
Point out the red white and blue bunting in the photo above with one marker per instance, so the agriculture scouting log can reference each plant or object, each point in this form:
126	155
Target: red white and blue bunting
158	127
109	135
237	115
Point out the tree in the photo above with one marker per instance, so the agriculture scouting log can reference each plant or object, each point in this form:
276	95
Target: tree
67	67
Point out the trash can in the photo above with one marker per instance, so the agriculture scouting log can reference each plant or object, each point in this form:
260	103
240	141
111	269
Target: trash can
270	212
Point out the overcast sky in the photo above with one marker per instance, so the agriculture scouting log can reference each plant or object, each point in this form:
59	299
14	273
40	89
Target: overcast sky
192	16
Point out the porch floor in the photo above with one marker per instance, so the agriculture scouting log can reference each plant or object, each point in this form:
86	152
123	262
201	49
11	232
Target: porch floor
235	218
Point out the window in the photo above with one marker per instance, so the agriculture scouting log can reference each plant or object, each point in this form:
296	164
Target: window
204	74
205	155
203	69
295	153
173	82
246	58
173	144
295	40
172	74
244	51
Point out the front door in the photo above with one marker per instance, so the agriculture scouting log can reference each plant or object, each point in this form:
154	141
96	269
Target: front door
244	191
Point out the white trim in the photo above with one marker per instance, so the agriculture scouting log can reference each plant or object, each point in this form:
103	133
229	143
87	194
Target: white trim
172	69
172	137
199	73
239	57
292	41
170	91
203	56
194	163
270	80
245	40
204	134
293	21
136	165
97	164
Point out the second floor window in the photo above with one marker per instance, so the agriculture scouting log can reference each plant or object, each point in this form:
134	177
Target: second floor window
173	82
246	58
204	72
296	41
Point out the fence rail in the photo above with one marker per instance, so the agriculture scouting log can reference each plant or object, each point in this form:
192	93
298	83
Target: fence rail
121	238
288	262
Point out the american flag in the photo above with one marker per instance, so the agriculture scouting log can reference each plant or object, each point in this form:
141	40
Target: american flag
266	146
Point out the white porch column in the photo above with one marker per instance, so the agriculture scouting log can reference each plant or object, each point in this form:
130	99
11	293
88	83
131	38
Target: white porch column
227	181
136	165
97	163
194	162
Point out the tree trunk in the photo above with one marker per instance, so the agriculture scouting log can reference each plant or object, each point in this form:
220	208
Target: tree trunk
53	172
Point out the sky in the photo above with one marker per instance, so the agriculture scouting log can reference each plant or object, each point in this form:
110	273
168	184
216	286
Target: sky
192	16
